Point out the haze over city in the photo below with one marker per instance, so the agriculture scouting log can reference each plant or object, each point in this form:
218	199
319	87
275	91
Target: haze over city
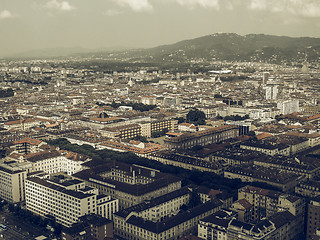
37	24
160	119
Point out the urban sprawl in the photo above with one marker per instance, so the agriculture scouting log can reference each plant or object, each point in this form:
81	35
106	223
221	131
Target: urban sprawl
229	153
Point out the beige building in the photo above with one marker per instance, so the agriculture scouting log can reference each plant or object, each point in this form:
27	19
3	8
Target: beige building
267	202
131	184
281	226
140	225
12	181
202	138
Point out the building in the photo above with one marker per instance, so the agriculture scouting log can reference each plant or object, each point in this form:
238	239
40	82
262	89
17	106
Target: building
281	226
28	145
271	92
89	227
308	188
202	138
313	223
244	210
126	132
139	225
275	177
288	106
267	202
65	199
131	184
53	161
285	144
12	183
188	162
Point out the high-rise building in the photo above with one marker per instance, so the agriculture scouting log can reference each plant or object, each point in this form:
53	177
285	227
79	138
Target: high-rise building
271	92
288	106
265	77
12	183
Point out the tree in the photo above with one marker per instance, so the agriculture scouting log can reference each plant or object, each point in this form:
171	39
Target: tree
6	93
140	138
196	117
194	199
251	133
180	120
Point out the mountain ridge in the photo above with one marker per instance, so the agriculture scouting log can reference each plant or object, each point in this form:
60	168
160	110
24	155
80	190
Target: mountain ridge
219	46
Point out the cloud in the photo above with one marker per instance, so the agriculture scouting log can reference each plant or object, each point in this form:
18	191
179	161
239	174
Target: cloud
112	12
304	8
136	5
60	5
5	14
202	3
257	5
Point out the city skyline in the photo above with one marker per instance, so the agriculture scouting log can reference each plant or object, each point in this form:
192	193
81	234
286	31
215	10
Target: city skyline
36	24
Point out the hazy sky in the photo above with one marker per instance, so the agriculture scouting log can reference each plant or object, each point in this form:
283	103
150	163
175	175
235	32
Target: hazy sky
34	24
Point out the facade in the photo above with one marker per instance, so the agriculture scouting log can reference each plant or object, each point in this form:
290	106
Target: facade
271	92
313	223
309	188
65	200
54	161
288	106
131	184
202	138
267	202
159	125
12	183
244	210
145	128
281	226
126	132
89	227
28	145
191	163
138	225
273	176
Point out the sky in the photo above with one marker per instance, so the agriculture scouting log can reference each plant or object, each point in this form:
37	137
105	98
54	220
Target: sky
94	24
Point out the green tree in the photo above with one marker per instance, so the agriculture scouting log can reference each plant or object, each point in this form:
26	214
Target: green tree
180	119
251	133
196	117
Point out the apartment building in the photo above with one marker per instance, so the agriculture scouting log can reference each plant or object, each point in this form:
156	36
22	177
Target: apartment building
64	199
267	202
53	161
131	184
202	138
281	226
285	181
126	132
308	188
313	223
89	227
140	225
28	145
12	181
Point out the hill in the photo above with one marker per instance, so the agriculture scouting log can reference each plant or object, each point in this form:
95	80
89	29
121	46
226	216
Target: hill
233	47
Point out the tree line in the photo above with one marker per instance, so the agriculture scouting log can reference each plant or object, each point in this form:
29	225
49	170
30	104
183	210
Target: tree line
6	93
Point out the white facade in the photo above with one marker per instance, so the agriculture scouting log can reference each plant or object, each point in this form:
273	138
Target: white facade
12	183
66	162
66	200
288	106
45	198
106	206
271	92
